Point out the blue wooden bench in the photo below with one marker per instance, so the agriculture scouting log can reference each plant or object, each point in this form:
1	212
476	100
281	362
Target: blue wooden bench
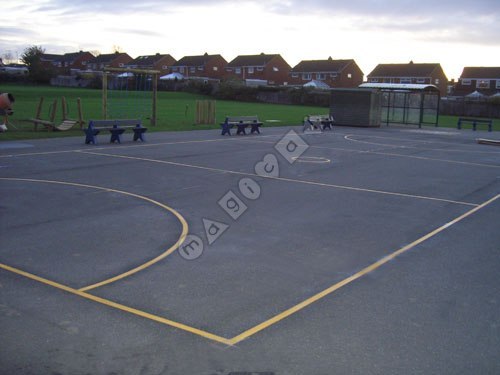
116	128
474	122
241	122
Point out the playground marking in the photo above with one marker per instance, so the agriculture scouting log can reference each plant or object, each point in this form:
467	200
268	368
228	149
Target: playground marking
277	318
141	267
348	137
118	306
266	324
402	155
219	170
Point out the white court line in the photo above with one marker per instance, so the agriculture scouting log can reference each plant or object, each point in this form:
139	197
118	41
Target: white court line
343	187
348	137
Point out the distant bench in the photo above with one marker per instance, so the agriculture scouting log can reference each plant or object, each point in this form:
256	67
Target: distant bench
116	129
320	122
242	122
474	122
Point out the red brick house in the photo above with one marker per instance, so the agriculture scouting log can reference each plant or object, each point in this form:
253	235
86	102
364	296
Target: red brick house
111	60
335	73
64	64
270	68
204	66
162	63
410	73
486	80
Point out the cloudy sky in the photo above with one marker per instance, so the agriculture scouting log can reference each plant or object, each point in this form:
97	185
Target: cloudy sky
455	33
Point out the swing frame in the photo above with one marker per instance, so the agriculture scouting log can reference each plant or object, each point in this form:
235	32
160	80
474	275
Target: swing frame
154	88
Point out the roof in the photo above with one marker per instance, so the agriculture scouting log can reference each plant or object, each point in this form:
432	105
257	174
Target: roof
148	60
329	65
106	57
67	57
398	86
251	60
196	60
404	70
481	72
51	57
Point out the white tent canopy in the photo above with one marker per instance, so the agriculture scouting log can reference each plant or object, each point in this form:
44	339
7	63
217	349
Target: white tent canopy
475	94
172	77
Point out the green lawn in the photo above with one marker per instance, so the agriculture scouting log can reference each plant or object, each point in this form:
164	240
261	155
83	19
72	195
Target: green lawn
176	111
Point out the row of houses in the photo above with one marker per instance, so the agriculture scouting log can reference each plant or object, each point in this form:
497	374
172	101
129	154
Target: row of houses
272	69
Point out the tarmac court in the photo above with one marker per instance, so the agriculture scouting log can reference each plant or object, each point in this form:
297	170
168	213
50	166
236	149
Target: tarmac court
352	251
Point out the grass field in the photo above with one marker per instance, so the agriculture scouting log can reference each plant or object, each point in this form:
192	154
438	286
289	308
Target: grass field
176	111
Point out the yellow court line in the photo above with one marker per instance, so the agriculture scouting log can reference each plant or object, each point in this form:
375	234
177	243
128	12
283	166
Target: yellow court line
141	267
344	187
252	331
118	306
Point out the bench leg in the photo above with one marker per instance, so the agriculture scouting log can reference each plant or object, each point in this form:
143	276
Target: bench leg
255	129
115	137
226	129
241	130
91	136
139	135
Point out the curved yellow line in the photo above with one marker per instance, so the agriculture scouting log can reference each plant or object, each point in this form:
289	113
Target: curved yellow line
142	267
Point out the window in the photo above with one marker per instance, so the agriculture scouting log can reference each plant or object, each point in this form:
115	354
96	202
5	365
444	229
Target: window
164	67
181	69
405	80
466	82
295	75
421	80
250	70
192	69
498	84
483	84
436	81
237	70
320	76
276	69
374	80
215	68
200	68
306	76
349	75
333	75
260	69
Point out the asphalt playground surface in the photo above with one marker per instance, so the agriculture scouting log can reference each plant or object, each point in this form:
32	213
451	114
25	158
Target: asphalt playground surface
353	251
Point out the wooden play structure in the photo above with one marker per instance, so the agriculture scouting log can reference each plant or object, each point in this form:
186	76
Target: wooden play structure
50	123
205	112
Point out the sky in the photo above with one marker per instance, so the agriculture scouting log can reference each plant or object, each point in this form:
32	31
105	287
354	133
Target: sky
454	33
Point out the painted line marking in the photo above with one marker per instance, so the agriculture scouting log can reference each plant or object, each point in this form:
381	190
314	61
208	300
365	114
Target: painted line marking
400	155
277	318
311	159
118	306
344	187
142	145
348	137
266	324
141	267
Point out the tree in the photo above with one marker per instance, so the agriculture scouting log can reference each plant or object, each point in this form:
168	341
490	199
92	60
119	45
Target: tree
32	57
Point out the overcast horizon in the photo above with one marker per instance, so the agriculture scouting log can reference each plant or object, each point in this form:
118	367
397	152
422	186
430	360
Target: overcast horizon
455	34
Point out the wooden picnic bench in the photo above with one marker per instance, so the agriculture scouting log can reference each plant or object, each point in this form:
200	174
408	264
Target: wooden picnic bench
242	122
318	122
474	122
116	129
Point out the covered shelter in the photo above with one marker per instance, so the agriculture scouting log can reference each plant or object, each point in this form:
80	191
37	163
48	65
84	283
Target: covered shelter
407	104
